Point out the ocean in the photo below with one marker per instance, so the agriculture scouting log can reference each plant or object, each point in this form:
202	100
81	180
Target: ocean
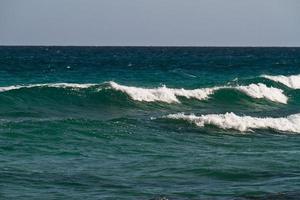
149	123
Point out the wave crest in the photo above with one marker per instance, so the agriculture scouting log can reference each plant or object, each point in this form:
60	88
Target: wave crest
169	95
290	81
262	91
242	123
164	94
49	85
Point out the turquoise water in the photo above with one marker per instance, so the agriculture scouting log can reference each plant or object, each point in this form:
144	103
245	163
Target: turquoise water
114	123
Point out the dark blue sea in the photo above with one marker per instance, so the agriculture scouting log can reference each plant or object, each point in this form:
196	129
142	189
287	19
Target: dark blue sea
147	123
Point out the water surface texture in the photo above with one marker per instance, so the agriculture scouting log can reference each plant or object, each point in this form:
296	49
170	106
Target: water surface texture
149	123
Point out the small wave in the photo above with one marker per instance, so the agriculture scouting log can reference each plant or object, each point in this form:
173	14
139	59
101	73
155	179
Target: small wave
242	123
260	90
290	81
50	85
169	95
162	94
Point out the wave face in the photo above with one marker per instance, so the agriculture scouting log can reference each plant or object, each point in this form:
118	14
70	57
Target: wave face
164	94
290	81
243	123
169	95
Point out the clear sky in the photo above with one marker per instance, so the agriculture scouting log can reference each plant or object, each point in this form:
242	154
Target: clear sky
150	22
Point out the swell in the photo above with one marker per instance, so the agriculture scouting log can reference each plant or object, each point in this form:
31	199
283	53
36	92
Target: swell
242	123
60	96
48	85
112	93
170	95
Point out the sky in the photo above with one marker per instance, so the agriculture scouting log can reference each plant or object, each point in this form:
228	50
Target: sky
150	22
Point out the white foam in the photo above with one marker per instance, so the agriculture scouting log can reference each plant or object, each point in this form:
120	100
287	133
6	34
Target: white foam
162	94
51	85
71	85
243	123
262	91
290	81
169	95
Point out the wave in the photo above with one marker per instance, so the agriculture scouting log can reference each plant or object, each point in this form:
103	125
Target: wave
260	91
49	85
162	94
165	94
169	95
290	81
242	123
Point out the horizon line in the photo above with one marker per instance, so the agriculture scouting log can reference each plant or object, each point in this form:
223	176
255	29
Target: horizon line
154	46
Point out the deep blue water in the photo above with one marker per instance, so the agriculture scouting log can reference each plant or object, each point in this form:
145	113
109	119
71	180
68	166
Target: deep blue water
94	123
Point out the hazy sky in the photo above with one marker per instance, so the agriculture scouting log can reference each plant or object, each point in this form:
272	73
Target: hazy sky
150	22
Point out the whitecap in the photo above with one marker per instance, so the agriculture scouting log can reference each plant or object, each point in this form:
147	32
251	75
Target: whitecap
162	94
50	85
169	95
262	91
242	123
290	81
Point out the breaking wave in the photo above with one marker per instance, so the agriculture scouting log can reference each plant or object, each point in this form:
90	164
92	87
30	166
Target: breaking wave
260	91
290	81
49	85
165	94
169	95
242	123
162	94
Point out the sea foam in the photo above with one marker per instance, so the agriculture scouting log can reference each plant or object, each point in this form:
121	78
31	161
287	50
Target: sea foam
51	85
162	94
169	95
242	123
290	81
262	91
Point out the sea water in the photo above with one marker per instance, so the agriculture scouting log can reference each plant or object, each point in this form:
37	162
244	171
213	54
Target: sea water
149	123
